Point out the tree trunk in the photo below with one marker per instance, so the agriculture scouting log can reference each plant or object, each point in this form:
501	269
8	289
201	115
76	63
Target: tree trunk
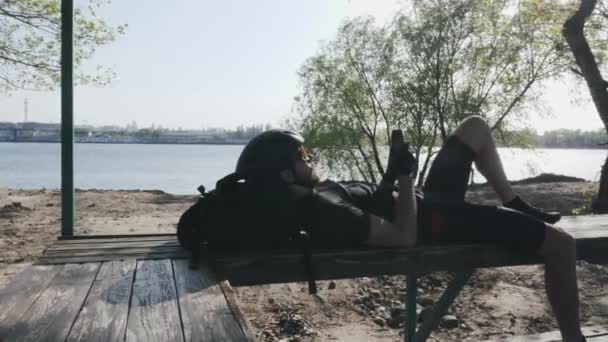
573	31
600	204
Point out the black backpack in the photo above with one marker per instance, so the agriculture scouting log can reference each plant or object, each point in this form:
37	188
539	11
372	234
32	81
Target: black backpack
219	218
228	218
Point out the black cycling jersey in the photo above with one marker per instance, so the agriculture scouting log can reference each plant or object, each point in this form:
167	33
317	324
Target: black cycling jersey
337	213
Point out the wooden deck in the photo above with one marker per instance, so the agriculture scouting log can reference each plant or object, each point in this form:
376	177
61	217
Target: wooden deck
86	293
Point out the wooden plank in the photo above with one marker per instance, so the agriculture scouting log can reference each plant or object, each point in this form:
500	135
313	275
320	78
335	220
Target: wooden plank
206	315
18	295
104	314
356	262
117	251
51	316
588	234
100	258
593	334
236	310
116	238
112	236
154	313
584	221
287	266
111	245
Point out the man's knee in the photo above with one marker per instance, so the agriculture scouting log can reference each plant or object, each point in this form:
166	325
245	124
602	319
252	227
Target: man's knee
475	122
474	131
558	243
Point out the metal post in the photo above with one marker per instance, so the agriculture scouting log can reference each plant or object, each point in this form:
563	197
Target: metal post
67	119
410	308
441	306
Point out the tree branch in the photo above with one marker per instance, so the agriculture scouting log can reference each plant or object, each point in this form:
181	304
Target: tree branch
514	102
573	32
576	71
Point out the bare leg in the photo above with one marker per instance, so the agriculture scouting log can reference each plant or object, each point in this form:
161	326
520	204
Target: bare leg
559	251
476	133
559	248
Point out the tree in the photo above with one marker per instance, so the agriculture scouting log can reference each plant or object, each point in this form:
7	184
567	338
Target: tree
424	72
573	31
30	43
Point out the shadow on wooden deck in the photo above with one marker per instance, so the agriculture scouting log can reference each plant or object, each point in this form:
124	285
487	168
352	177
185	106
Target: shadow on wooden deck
149	295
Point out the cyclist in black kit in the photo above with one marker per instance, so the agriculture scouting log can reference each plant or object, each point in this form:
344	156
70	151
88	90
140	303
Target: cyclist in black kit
385	215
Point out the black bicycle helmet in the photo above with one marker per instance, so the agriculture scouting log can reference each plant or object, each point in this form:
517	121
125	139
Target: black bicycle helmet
268	152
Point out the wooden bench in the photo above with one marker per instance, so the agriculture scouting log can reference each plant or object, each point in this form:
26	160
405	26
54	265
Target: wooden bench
202	305
591	233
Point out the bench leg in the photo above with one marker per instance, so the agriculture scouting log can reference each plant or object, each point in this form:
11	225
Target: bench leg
410	308
439	308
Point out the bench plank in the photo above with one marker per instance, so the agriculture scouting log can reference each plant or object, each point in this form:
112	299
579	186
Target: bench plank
44	260
206	315
51	316
584	221
18	295
154	314
114	251
111	245
83	239
287	266
104	314
593	334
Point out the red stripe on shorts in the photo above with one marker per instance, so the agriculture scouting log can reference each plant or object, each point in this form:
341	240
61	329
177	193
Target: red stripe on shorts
436	223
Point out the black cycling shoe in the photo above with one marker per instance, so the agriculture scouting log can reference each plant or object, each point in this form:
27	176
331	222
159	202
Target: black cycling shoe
400	160
392	168
548	216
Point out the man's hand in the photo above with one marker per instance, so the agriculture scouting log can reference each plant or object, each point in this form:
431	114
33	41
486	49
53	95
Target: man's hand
409	163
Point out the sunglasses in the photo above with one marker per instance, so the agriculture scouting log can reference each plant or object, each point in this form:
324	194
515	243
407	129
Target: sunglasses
307	155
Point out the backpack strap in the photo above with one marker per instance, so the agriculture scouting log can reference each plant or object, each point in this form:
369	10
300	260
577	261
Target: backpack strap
304	242
228	182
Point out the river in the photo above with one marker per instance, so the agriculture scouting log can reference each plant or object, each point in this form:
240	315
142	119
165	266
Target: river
180	169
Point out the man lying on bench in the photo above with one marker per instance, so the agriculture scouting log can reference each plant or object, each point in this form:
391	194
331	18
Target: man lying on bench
355	213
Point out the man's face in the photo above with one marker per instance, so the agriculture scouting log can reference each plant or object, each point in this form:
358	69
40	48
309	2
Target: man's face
305	173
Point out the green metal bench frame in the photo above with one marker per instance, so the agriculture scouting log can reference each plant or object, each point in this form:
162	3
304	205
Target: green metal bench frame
439	308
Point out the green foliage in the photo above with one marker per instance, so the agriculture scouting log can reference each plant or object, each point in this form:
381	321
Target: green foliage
30	43
569	138
560	138
425	71
526	138
586	207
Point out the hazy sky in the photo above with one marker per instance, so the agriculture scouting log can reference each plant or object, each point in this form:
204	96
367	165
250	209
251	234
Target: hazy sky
194	63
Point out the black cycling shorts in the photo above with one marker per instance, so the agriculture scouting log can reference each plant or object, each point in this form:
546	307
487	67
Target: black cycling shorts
444	216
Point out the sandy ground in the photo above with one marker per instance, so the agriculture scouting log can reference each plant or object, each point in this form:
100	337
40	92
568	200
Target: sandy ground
495	303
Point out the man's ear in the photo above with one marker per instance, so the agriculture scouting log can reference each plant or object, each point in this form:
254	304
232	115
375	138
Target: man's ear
288	176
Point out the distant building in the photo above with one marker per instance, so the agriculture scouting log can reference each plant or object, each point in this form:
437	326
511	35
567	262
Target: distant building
7	131
37	132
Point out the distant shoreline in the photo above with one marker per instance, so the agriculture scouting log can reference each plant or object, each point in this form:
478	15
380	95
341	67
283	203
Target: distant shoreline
128	143
230	143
